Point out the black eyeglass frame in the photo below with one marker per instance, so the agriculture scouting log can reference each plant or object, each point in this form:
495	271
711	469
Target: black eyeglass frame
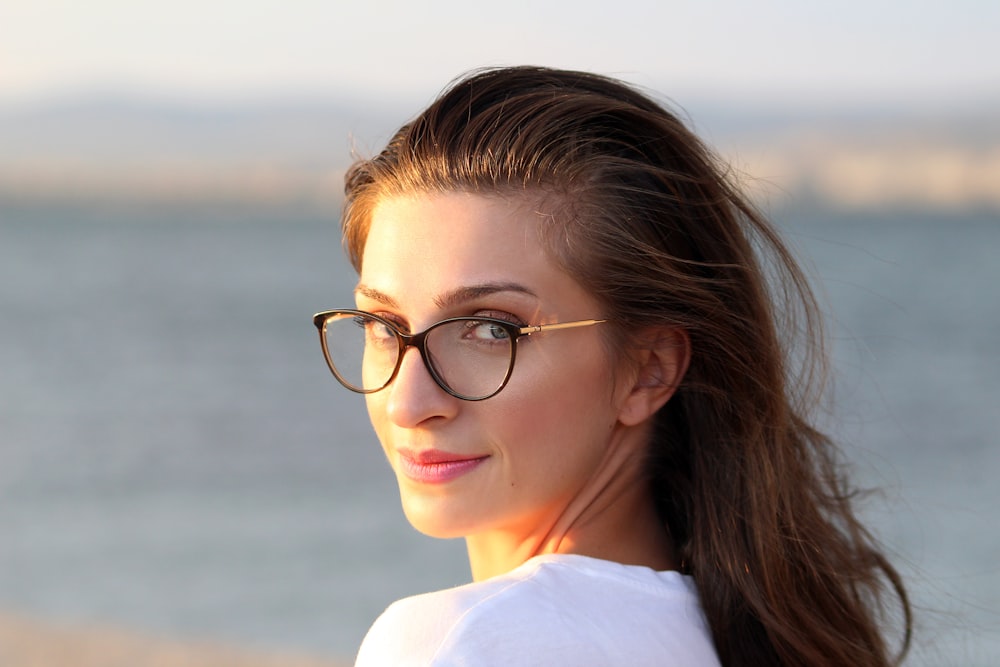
418	340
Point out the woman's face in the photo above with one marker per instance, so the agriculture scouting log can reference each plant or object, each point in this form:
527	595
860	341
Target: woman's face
516	461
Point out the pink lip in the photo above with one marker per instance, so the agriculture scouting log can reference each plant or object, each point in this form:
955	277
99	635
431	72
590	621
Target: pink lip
433	466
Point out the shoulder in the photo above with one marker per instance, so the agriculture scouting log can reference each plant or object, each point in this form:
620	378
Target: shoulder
553	610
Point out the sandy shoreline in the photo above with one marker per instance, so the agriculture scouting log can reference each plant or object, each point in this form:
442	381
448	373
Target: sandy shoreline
26	642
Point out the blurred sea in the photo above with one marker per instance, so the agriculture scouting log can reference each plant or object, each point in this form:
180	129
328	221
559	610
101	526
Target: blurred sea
175	457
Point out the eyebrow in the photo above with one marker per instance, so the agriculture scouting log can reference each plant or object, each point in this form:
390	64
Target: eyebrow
452	298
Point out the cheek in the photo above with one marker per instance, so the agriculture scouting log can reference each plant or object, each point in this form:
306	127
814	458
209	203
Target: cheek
574	374
557	403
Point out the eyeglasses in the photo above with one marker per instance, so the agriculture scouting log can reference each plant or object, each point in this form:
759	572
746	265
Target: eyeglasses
471	358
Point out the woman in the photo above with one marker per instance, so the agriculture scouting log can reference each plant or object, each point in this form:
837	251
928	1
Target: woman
576	341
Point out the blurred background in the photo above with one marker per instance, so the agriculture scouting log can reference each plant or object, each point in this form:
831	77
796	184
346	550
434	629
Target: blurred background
175	459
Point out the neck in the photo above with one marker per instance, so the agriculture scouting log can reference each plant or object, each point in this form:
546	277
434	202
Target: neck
614	518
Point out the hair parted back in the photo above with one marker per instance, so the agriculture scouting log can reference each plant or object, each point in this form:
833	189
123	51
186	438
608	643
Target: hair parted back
641	214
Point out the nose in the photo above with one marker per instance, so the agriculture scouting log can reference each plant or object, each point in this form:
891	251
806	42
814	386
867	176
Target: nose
413	395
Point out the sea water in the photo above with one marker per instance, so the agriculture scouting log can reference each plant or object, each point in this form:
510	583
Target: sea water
175	456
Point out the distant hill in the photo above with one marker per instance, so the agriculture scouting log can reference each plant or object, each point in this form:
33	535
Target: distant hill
125	149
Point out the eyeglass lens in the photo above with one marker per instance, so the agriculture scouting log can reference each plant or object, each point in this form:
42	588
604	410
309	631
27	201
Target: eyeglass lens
469	357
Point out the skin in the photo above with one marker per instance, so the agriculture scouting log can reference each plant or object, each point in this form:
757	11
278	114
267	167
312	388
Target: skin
559	452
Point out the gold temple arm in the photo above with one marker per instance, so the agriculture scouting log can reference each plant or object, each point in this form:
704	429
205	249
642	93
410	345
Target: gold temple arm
559	325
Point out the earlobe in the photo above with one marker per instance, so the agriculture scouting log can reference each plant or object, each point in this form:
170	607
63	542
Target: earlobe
662	365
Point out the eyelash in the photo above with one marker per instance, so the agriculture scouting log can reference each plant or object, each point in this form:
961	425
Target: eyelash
494	314
500	315
400	324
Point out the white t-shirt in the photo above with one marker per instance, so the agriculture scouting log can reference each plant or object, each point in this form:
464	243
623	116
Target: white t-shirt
551	611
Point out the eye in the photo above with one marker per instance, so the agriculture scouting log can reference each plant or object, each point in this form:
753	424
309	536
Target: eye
486	331
375	330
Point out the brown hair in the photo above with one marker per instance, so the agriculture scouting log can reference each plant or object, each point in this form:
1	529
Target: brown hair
640	213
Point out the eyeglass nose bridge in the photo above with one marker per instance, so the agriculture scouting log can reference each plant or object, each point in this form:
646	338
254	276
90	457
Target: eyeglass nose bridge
418	341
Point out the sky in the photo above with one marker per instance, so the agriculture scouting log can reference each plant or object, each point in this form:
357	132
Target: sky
853	50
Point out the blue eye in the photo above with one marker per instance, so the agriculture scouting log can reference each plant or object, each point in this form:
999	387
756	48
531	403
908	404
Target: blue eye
485	331
495	331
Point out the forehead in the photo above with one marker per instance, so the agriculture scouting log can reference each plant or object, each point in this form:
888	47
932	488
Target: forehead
461	228
427	244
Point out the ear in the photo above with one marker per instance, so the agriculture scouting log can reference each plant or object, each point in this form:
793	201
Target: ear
663	357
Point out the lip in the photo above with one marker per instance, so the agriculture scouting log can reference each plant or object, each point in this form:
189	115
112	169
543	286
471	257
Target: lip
434	466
